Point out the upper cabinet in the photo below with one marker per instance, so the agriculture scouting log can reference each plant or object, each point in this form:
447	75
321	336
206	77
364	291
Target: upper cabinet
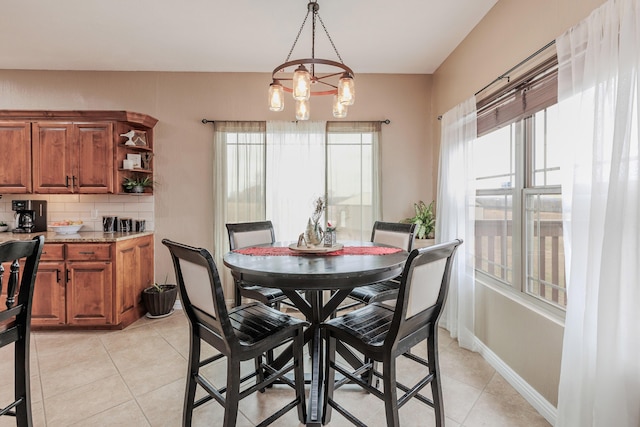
66	152
83	154
15	160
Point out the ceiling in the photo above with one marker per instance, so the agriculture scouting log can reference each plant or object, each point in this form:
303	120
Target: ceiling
372	36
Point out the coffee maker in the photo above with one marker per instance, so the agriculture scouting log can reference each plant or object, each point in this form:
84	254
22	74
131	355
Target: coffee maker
31	215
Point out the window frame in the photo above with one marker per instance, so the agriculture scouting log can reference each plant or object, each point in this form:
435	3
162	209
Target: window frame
516	104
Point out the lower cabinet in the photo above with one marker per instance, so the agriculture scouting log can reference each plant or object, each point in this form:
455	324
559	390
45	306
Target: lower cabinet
92	285
134	272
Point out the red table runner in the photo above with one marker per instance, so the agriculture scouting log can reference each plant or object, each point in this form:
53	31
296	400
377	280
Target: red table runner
347	250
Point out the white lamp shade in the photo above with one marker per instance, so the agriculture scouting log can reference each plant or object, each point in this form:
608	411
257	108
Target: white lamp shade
301	84
302	110
339	109
346	90
276	97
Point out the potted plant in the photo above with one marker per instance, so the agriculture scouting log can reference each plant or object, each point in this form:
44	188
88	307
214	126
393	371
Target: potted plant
425	221
159	299
136	184
3	226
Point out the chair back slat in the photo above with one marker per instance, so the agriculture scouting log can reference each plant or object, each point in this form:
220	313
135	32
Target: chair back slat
242	235
426	281
395	234
196	284
201	290
423	290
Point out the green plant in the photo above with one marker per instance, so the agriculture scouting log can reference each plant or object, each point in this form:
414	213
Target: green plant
129	183
424	220
3	224
161	288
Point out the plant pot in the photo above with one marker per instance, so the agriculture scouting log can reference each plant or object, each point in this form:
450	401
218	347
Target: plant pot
137	189
159	303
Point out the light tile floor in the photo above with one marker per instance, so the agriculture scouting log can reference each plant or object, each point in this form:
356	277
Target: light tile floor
136	377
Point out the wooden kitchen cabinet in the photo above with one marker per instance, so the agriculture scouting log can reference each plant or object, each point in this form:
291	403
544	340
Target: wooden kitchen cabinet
89	284
15	169
67	152
92	285
134	266
49	307
83	154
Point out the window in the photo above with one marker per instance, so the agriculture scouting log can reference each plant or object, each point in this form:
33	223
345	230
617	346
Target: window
519	242
275	170
353	178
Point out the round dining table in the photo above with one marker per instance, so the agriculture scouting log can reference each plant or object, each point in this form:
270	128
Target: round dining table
282	265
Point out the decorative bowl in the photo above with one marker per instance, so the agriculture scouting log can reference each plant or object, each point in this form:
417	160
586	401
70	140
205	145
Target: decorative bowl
66	229
3	228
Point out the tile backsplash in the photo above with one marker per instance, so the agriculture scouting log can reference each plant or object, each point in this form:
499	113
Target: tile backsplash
89	208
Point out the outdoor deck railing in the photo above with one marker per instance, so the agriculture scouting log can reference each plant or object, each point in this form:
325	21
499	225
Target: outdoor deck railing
493	252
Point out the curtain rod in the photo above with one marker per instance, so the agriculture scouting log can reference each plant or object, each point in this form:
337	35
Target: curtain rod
519	64
505	75
206	121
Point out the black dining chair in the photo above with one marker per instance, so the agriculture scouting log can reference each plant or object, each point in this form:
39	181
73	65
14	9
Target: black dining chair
241	333
15	319
389	233
242	235
382	333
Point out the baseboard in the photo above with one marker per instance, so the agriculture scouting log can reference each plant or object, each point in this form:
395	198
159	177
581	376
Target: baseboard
542	405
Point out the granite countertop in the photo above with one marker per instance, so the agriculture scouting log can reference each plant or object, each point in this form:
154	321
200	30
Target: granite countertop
81	237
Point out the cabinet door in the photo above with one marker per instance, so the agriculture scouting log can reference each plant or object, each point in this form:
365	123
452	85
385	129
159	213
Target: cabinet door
94	170
53	161
48	307
15	169
134	270
89	297
73	158
127	278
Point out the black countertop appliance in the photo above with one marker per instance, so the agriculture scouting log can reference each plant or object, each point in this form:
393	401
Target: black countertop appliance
31	215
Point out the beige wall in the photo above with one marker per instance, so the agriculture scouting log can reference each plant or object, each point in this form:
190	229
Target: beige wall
528	342
183	145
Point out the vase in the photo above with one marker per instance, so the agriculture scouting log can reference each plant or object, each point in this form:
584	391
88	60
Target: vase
313	234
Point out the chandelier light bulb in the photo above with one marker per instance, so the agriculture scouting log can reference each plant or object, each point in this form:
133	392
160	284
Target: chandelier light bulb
302	110
276	96
301	84
339	109
346	89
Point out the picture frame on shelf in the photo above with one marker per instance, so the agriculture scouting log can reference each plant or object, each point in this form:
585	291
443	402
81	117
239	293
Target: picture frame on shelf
137	160
140	138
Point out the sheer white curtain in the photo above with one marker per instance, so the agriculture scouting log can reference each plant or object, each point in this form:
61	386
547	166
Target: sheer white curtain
295	174
239	158
598	97
455	216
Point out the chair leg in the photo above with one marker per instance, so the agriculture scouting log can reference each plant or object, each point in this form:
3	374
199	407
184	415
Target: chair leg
232	395
259	371
298	345
237	296
368	376
330	377
390	392
436	387
192	371
22	379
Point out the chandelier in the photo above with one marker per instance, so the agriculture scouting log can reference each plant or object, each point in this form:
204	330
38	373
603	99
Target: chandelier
303	82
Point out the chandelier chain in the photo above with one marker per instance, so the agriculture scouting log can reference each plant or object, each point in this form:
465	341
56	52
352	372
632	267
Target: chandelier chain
330	39
297	36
